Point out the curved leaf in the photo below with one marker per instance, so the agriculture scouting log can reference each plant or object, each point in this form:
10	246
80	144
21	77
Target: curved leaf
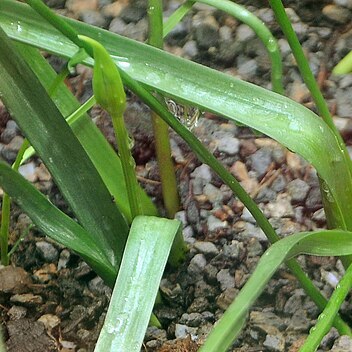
322	243
54	223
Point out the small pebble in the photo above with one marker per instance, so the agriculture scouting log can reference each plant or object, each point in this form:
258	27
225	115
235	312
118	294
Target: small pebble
207	248
47	251
214	223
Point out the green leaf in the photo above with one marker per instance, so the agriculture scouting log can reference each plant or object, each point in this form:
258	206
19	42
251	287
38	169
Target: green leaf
94	143
55	223
147	249
290	123
64	156
322	243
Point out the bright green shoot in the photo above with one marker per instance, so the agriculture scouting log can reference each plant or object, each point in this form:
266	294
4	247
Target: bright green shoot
344	66
322	243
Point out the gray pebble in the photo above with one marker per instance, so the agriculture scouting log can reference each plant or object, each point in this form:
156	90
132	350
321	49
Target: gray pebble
215	223
225	279
98	287
64	258
178	34
133	14
9	132
28	171
182	331
275	342
266	195
199	304
192	212
281	208
344	103
244	33
207	248
229	145
253	231
153	333
313	200
342	344
292	15
247	216
294	302
9	152
17	312
197	265
255	249
191	319
299	321
202	289
319	216
137	31
203	172
279	184
47	251
210	272
94	18
206	36
181	216
214	195
261	160
118	26
190	49
298	190
225	33
233	250
247	68
226	298
228	50
336	13
188	235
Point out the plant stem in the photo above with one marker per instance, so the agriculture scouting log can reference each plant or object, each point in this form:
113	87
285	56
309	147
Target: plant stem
128	163
326	318
161	129
242	14
4	231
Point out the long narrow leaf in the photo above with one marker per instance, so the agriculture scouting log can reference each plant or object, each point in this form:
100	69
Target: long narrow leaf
147	249
61	152
55	223
322	243
92	140
291	124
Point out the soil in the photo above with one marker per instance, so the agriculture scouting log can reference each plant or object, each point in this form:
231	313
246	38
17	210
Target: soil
50	300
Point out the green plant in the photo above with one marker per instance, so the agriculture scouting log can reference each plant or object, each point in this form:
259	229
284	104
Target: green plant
101	233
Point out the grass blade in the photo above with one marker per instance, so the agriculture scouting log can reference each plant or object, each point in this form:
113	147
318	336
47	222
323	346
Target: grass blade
61	152
55	223
322	243
147	249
